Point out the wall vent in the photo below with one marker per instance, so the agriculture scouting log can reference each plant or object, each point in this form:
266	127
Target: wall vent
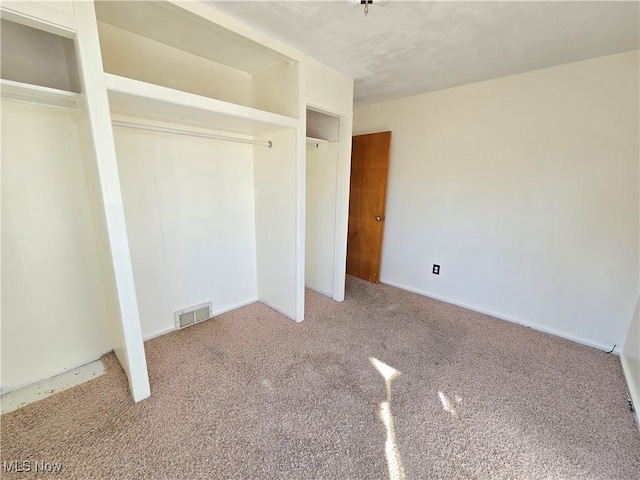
192	315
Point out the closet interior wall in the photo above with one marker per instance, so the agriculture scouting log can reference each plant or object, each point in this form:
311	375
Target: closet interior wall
190	217
56	307
323	148
54	310
322	177
275	176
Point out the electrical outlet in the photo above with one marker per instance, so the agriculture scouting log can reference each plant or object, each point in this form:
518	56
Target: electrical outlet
436	269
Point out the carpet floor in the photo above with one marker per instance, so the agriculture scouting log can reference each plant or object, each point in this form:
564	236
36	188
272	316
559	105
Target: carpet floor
386	384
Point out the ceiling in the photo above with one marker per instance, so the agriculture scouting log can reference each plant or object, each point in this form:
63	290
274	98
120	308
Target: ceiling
407	48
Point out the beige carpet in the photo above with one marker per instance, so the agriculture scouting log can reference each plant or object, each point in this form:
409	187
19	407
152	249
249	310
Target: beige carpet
253	395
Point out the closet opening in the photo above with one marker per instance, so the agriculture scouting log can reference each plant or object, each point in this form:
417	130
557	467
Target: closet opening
56	313
326	208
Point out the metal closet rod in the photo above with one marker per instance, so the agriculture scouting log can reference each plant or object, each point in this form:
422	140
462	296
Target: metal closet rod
189	133
30	101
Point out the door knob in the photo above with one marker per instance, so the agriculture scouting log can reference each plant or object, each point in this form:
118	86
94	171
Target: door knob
379	218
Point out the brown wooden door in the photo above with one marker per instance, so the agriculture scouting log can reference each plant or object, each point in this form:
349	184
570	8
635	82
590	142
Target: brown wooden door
367	202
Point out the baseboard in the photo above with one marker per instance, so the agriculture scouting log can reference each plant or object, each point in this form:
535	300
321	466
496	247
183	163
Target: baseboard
15	396
573	338
337	298
279	311
158	333
214	313
317	290
632	388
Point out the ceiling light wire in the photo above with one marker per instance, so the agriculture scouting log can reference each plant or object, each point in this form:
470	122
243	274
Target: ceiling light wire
366	4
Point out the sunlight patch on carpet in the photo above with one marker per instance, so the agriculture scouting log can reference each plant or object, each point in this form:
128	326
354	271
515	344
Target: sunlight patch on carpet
447	404
392	454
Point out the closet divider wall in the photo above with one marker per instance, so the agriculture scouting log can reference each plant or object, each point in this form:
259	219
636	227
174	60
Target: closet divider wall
190	126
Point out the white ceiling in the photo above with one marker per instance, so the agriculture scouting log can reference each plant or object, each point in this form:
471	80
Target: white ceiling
406	48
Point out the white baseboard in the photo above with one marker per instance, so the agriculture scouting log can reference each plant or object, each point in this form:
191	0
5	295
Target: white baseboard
214	313
279	311
632	388
4	389
18	398
158	333
317	290
557	333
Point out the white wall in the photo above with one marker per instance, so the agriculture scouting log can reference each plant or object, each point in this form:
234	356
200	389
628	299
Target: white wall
153	62
53	300
276	203
38	57
327	86
322	126
630	358
322	177
525	190
272	89
189	208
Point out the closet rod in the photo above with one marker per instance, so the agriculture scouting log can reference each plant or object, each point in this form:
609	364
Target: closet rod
189	133
29	101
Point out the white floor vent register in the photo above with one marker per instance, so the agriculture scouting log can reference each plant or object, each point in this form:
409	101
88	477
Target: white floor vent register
192	315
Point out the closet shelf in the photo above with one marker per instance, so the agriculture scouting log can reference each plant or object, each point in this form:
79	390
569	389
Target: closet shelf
29	93
315	141
140	99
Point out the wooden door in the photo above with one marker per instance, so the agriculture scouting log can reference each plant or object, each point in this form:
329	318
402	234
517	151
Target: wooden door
367	202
